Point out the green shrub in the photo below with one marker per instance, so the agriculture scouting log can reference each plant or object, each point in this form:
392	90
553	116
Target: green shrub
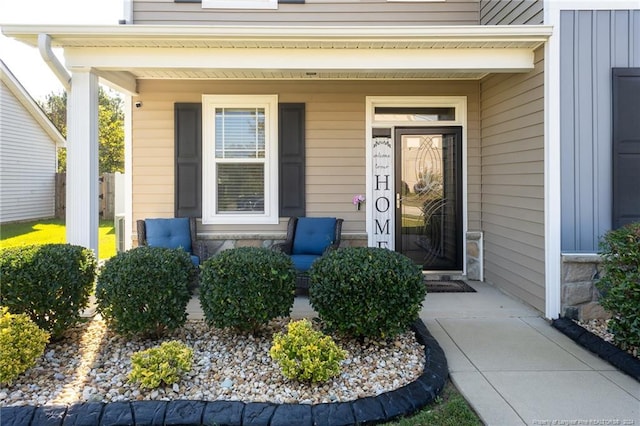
246	287
620	283
366	292
163	364
22	342
145	290
306	354
51	283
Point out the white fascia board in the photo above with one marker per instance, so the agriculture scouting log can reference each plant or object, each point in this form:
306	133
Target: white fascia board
488	60
134	33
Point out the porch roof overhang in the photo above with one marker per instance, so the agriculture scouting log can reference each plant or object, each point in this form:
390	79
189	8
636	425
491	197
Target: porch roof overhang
123	54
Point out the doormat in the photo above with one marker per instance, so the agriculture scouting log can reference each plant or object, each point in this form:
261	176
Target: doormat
452	286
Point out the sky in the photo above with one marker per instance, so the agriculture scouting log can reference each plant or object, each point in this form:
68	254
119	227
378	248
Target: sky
24	61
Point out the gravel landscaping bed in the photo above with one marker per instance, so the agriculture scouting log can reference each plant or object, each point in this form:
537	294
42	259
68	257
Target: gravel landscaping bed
92	363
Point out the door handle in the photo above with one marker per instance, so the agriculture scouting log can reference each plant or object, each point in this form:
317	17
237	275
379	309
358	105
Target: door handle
397	200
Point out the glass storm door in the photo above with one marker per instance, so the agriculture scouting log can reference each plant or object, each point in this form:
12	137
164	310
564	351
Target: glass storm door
429	196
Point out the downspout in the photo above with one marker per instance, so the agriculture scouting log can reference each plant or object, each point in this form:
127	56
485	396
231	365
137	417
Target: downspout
44	46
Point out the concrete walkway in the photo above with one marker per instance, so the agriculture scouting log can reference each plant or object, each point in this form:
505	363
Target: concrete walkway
513	367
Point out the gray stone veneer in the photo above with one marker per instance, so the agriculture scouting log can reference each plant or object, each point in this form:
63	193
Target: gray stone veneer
579	293
219	242
474	256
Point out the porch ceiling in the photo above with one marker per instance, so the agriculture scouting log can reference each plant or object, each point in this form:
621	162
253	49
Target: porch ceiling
328	52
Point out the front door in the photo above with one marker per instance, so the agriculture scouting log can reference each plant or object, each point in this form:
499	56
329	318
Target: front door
429	196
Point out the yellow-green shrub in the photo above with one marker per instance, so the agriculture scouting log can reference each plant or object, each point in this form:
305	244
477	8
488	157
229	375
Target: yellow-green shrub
162	364
306	354
22	342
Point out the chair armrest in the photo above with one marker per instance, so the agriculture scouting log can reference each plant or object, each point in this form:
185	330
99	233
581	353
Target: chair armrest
287	246
337	237
200	249
141	228
282	247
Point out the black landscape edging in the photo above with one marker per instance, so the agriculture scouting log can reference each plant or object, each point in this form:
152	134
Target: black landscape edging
620	359
371	410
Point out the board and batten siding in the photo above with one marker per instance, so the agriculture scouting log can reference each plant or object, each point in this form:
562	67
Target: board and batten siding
512	121
512	12
335	142
591	43
27	163
312	12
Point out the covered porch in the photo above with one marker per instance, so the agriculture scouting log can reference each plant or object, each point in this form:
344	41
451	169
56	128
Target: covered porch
493	75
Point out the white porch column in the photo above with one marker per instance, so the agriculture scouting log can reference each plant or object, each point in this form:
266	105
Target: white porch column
82	160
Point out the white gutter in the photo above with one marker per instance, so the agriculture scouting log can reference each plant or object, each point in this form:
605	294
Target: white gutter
44	45
132	34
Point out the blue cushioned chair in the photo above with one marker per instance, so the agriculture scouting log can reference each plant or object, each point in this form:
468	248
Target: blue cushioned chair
307	239
173	233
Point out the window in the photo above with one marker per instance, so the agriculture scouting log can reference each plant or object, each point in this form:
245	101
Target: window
417	114
240	159
239	4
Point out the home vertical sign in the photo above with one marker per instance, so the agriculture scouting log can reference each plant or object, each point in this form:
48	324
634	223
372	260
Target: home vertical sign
383	206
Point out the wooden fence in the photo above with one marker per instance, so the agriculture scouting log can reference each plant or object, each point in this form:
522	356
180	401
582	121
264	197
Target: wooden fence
107	195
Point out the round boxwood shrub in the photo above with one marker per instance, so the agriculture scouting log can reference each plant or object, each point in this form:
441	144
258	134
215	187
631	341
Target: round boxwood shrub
366	292
246	287
620	283
22	342
50	283
306	354
145	290
161	365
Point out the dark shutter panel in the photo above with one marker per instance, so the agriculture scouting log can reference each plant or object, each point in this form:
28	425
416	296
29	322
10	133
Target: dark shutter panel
626	146
292	159
188	164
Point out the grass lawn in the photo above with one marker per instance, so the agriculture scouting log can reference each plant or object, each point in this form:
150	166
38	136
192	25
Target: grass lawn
449	409
53	231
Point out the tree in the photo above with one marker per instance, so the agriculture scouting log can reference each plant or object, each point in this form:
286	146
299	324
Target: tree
110	128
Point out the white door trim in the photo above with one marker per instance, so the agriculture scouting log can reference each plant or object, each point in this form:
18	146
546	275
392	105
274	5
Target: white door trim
459	103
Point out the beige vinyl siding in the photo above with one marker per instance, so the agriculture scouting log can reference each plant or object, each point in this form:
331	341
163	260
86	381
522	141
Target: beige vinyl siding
335	142
512	12
312	12
27	163
512	113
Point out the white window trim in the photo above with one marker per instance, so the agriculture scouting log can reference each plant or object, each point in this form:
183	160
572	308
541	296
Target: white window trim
209	199
239	4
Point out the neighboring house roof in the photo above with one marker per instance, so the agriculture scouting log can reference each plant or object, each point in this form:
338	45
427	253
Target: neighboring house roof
7	77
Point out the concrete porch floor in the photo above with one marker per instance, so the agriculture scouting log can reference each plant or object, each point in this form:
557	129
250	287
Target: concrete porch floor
513	367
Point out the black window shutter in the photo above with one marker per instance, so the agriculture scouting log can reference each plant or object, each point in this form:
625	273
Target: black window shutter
188	159
626	146
291	135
